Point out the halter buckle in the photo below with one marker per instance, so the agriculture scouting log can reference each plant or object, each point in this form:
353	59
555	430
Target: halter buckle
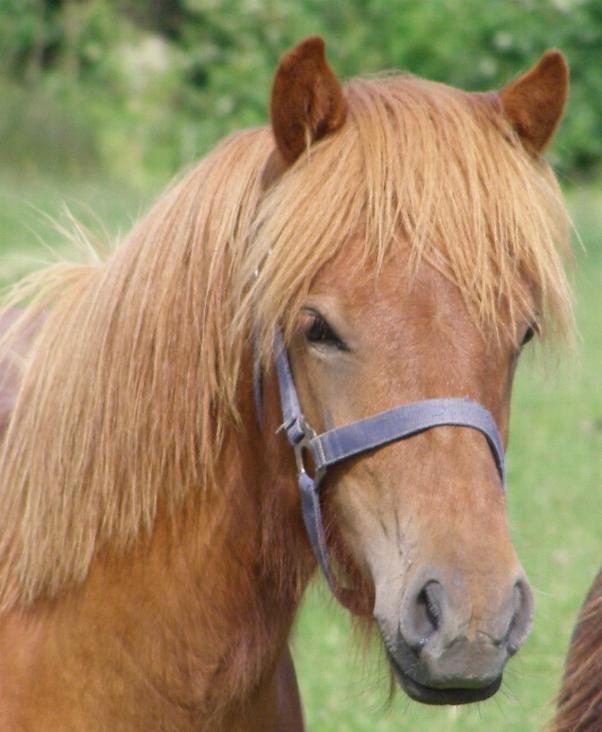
302	445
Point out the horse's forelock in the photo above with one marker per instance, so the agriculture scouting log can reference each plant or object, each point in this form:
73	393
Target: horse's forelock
426	167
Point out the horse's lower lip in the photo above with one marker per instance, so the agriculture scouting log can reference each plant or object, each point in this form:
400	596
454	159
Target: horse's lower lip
430	695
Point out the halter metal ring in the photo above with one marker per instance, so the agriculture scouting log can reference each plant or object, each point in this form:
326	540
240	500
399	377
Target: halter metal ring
301	446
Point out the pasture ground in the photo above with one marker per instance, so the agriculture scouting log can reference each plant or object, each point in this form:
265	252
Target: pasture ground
554	489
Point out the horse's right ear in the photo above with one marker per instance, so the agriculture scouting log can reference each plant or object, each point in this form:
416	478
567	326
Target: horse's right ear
307	99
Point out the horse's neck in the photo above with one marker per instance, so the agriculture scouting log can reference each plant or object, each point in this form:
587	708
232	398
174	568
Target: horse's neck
191	627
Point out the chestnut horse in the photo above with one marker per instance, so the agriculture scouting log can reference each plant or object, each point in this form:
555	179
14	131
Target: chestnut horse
580	697
405	239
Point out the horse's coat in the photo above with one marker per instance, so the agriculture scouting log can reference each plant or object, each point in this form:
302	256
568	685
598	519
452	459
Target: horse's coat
580	697
407	237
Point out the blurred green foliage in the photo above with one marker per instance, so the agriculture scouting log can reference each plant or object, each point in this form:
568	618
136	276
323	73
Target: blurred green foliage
138	88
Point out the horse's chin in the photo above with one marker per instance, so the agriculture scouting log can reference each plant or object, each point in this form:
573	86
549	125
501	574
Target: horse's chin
440	696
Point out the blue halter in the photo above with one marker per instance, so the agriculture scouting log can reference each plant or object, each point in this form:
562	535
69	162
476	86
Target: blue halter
338	444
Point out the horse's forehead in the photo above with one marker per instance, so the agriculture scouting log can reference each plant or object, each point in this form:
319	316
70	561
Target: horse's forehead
394	287
403	292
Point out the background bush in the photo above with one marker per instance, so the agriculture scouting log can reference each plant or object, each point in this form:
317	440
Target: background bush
137	88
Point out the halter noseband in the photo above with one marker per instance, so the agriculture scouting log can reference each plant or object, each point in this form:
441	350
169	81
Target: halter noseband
335	445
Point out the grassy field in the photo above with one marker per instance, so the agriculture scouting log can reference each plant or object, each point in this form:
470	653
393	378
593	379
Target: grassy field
554	492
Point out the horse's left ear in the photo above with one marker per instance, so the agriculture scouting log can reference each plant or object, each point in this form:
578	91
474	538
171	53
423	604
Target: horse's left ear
534	102
307	99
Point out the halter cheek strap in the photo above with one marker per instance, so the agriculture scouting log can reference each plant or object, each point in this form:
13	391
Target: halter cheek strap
338	444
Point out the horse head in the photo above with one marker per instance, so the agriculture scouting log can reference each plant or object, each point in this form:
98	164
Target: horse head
440	309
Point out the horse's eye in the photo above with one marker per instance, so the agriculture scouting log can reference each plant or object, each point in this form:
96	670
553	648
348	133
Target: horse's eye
320	332
530	332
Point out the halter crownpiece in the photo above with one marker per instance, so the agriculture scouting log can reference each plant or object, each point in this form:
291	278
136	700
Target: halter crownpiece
333	446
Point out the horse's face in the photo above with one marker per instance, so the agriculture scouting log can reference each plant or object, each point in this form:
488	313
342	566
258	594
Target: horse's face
423	518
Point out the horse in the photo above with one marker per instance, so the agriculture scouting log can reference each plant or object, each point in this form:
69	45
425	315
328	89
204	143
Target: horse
580	697
389	241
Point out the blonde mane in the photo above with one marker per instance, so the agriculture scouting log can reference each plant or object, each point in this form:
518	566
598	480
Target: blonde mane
132	382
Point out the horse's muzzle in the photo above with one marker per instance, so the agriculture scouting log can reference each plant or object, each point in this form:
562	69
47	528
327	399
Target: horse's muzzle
441	653
439	696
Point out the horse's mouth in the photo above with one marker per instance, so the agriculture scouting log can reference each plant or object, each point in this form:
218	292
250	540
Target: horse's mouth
430	695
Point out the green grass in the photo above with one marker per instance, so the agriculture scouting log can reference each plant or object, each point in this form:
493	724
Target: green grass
554	494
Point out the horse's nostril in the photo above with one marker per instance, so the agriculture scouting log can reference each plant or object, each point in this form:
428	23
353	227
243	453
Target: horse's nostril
428	601
520	624
425	614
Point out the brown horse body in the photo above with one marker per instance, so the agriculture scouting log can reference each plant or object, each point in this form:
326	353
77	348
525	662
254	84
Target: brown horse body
580	697
159	667
152	549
